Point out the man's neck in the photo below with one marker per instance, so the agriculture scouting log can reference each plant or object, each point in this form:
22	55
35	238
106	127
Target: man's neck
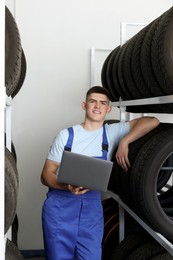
91	126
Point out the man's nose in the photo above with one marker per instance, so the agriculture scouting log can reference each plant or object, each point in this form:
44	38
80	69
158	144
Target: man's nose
97	105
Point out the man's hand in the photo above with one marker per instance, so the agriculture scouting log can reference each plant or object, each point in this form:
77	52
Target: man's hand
139	127
76	190
122	155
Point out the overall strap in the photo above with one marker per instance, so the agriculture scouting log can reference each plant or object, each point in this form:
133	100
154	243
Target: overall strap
104	144
70	139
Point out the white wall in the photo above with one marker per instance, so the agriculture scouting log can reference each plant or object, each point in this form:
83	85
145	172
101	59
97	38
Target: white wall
57	37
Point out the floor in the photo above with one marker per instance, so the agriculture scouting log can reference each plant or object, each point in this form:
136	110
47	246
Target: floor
36	258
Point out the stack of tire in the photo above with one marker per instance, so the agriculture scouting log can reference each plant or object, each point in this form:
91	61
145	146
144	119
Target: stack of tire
111	227
139	246
15	71
146	186
143	67
15	62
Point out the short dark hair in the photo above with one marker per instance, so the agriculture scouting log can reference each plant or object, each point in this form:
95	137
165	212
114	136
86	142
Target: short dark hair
100	90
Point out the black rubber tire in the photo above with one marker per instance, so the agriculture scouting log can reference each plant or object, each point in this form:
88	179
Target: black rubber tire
146	63
115	76
110	206
22	75
11	189
129	244
12	252
143	182
161	53
127	70
123	81
120	181
110	237
166	201
146	251
13	53
103	74
109	77
163	256
136	64
111	220
164	175
15	228
165	196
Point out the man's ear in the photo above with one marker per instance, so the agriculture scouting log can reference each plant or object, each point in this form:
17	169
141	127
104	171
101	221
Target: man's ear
109	109
83	105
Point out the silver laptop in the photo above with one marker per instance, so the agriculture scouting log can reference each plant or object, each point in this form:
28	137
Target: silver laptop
81	170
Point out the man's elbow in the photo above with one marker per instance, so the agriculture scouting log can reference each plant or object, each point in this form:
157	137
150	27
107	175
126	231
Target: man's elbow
42	180
156	121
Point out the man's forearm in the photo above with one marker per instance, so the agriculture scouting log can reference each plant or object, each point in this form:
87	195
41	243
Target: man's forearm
140	127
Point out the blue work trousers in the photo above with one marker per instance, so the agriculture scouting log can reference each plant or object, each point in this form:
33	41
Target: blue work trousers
72	226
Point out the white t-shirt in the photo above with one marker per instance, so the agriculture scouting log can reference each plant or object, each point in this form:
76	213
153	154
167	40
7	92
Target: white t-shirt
88	142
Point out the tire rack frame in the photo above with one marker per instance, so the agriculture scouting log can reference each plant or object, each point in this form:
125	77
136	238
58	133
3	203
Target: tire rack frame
123	115
122	208
122	104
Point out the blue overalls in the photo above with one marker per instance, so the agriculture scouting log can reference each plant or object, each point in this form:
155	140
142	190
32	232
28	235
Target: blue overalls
73	224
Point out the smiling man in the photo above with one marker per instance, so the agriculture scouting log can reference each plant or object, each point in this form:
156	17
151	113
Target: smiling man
97	105
72	217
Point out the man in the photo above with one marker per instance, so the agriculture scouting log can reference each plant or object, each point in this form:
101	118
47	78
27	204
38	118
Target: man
72	216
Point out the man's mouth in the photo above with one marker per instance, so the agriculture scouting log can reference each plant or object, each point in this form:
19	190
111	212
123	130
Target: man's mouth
96	112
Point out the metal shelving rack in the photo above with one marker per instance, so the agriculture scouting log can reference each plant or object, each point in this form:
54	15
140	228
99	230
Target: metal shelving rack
122	104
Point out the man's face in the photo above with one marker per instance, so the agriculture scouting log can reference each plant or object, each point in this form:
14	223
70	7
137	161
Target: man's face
96	106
